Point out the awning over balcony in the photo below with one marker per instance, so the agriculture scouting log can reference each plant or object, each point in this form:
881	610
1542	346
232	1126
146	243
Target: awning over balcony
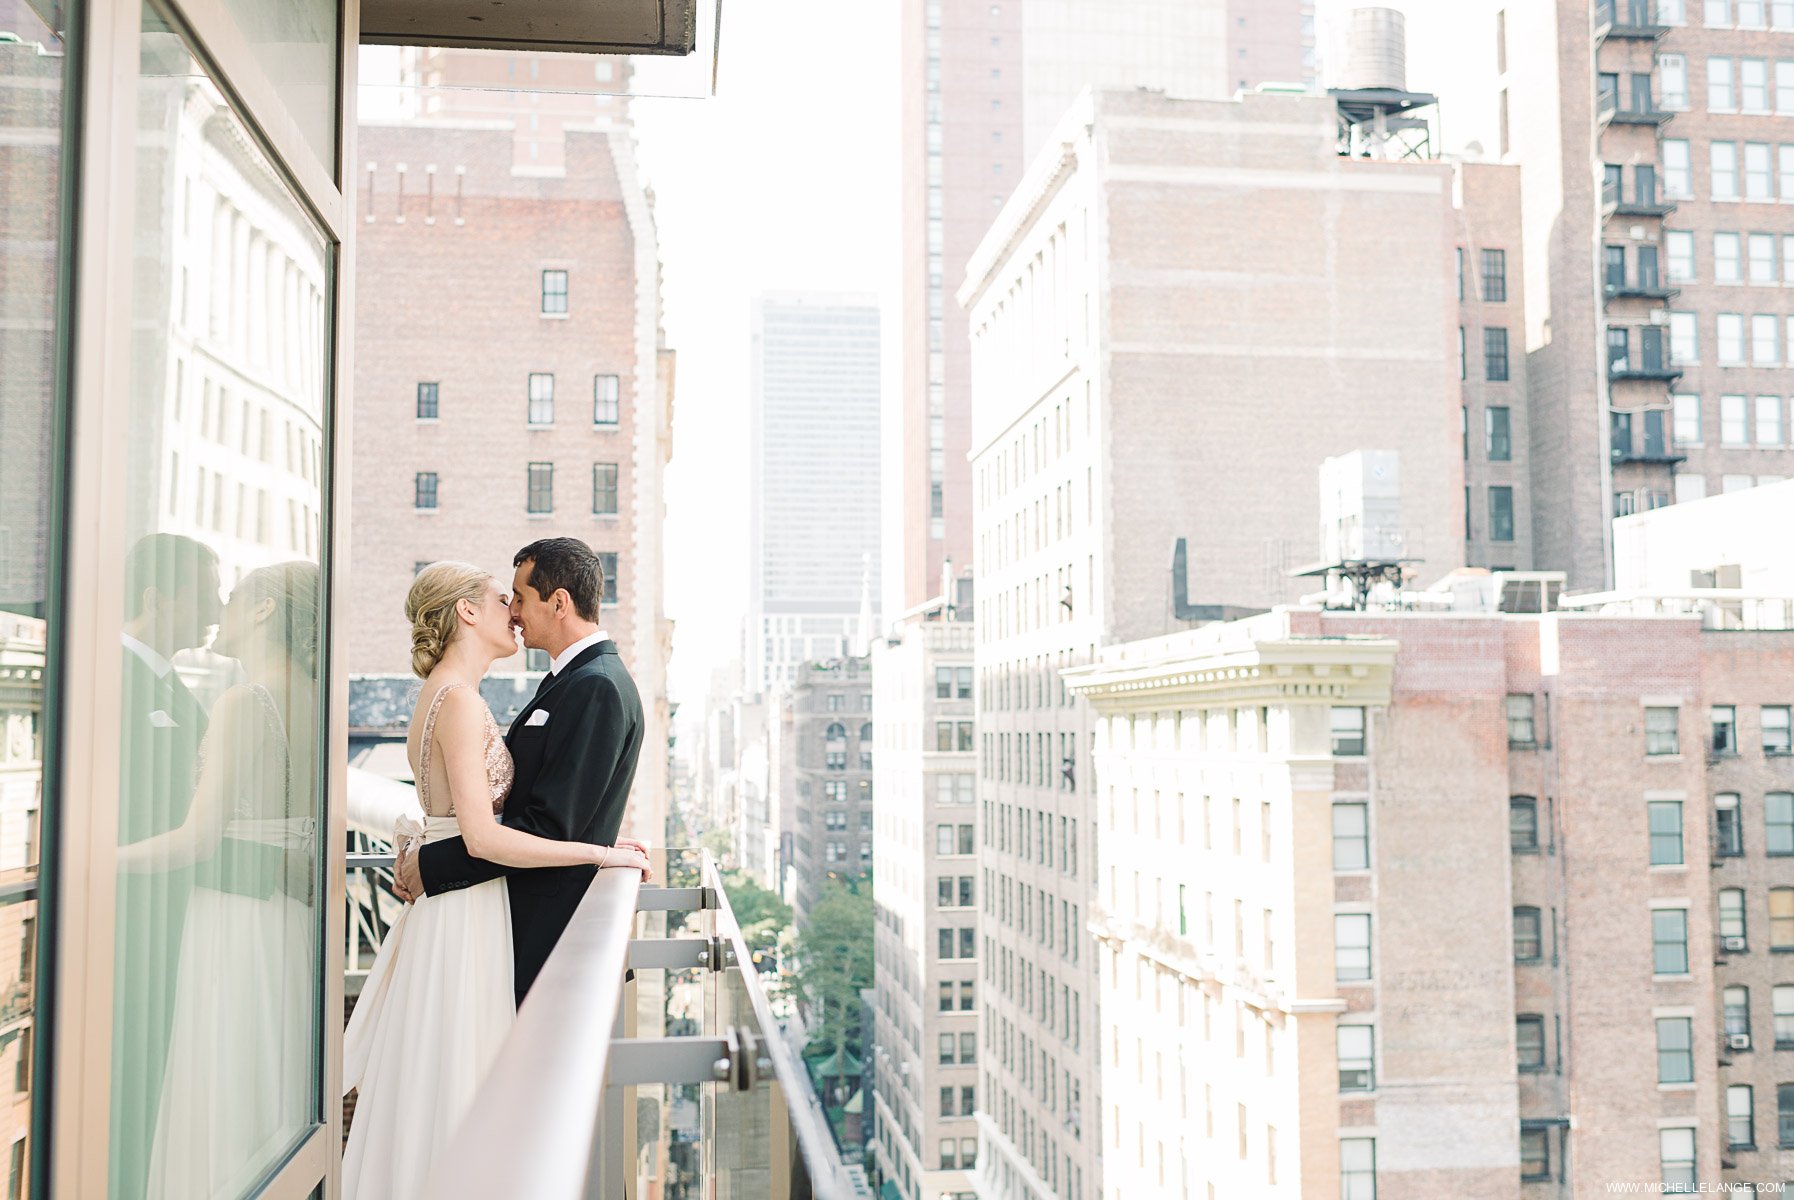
573	26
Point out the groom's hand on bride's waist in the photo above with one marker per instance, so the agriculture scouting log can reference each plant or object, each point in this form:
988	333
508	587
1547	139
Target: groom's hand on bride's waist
407	880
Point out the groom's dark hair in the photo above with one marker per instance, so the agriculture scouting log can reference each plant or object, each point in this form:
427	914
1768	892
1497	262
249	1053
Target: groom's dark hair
569	563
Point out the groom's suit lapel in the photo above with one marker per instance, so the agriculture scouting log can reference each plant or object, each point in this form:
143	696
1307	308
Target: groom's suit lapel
550	682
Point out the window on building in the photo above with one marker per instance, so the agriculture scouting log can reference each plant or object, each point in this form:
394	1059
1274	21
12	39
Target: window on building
1678	169
1778	823
427	396
1348	731
1358	1168
1665	819
1675	1157
1679	245
1675	1050
943	683
1535	1154
1776	729
1529	1038
1686	427
1759	172
1721	92
1724	719
1669	941
1498	434
1501	514
1660	731
541	487
1494	276
1784	1115
607	563
1520	730
1733	934
1730	329
1762	259
554	293
1351	946
604	489
1727	259
424	495
1523	824
1734	1010
541	398
1351	836
1673	68
1528	935
1781	918
1723	161
1495	354
606	399
1781	1007
1357	1058
1728	840
1740	1117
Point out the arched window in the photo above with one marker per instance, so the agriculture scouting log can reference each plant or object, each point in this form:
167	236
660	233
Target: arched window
866	731
837	732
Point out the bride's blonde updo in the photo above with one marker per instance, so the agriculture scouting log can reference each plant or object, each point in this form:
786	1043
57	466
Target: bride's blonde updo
430	607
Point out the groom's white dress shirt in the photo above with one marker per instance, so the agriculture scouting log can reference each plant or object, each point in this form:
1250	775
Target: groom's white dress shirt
575	650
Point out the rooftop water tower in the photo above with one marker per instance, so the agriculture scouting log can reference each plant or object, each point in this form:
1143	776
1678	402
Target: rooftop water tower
1375	106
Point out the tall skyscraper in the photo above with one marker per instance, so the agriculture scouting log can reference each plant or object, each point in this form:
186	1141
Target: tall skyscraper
813	488
1654	191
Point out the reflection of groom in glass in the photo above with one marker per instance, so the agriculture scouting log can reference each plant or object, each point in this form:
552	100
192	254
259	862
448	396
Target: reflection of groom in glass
171	605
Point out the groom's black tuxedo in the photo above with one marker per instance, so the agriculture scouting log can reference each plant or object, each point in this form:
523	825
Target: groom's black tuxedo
574	768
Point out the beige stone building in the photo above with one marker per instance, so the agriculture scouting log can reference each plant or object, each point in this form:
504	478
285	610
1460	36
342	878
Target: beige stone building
822	778
925	886
1449	903
488	422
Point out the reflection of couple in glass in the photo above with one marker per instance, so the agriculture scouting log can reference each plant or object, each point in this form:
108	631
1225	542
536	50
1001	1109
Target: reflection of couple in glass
492	897
214	995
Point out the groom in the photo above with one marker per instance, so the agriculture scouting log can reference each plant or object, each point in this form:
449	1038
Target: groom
574	745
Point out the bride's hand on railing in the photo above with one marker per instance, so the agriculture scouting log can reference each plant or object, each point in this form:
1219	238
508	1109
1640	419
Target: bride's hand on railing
626	853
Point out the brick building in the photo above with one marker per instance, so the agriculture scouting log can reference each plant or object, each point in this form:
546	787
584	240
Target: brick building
824	777
1472	904
1138	353
488	422
1657	323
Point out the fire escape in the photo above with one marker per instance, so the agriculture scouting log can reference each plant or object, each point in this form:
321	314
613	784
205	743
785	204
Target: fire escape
1640	367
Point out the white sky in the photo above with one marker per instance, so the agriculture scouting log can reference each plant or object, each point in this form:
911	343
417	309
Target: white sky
787	180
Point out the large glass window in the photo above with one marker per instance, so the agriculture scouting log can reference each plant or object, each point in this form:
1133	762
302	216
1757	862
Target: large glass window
218	972
33	84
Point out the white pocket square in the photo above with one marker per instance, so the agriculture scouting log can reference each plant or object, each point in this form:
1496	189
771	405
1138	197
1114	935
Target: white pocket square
161	720
539	717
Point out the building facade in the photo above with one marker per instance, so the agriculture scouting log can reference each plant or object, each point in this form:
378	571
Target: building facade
925	889
825	777
1392	883
813	554
548	414
1656	356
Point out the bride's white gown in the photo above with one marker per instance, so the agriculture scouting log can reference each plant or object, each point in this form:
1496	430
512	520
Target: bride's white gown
436	1005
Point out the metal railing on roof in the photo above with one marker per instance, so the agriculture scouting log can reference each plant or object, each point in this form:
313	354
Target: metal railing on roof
681	1078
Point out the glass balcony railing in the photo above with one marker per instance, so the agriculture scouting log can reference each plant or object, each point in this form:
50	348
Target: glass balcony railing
678	1082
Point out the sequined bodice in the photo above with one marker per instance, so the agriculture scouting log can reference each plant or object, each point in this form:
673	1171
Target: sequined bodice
499	768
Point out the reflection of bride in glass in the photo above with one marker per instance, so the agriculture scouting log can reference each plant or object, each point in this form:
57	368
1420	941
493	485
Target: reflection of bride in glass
239	1085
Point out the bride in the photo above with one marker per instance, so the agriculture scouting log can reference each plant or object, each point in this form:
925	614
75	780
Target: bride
439	998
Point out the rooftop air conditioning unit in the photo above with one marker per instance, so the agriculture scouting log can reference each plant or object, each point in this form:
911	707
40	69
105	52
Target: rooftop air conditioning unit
1732	943
1737	1041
